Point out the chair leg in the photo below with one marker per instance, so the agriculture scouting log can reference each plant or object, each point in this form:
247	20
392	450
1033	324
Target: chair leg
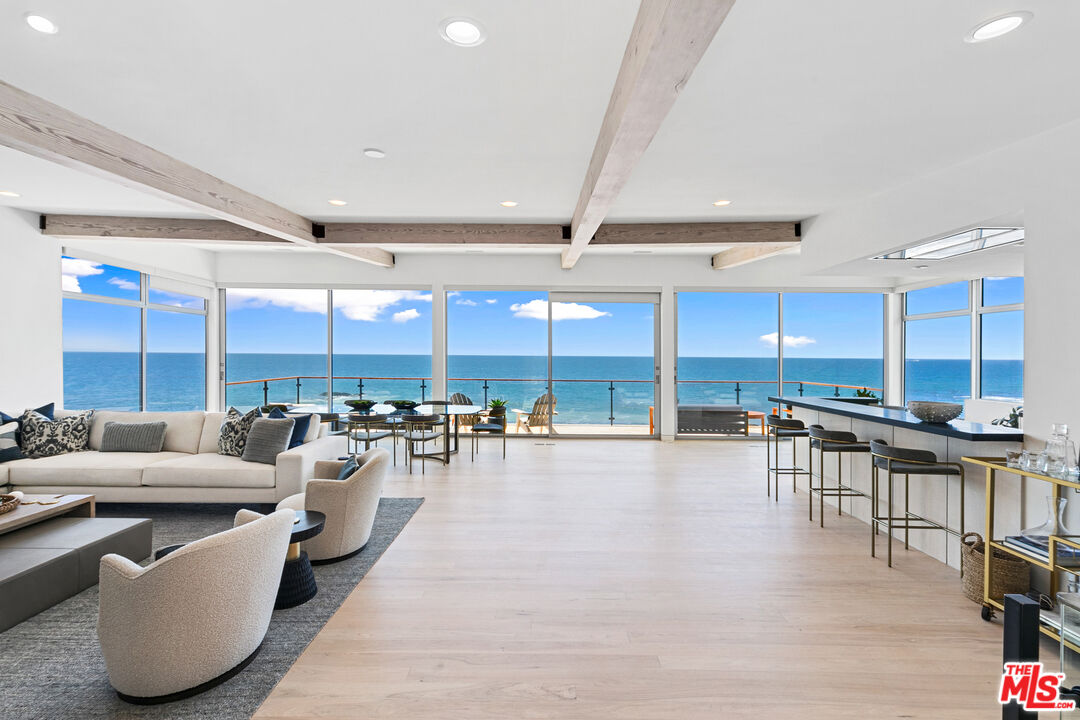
793	465
768	469
839	484
907	493
961	518
821	492
873	505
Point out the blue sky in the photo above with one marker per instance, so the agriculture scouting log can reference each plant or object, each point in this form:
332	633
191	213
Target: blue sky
710	324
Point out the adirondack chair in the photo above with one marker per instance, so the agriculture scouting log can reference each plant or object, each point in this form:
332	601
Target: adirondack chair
542	410
464	420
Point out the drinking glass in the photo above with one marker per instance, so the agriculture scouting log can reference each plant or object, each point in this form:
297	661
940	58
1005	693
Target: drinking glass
1012	458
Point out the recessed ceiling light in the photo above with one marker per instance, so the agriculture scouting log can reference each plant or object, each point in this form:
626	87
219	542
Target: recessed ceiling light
8	193
508	203
643	252
998	26
374	153
462	31
921	267
722	203
337	203
41	23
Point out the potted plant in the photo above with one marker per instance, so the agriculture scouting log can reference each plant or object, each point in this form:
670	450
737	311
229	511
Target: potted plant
405	405
361	406
497	407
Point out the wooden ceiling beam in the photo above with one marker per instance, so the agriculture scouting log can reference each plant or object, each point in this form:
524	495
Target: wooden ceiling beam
736	256
708	233
40	128
667	41
441	234
96	227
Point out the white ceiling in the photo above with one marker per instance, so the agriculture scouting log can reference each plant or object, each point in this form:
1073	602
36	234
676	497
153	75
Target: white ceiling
797	107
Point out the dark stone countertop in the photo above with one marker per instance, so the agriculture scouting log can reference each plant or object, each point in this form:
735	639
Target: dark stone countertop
961	429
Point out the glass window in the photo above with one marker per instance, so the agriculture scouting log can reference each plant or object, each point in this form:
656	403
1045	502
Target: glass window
728	349
937	362
1002	291
940	298
102	355
382	345
175	361
276	342
1001	368
497	347
94	278
833	343
173	299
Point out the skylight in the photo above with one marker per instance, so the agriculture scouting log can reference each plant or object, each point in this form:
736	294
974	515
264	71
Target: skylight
961	243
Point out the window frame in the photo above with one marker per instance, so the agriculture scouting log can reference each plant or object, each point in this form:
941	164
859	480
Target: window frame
145	306
974	311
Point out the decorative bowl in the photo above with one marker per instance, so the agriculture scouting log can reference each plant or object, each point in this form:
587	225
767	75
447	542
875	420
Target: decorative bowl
935	412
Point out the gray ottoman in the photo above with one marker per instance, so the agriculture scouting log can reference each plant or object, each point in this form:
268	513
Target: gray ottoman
45	563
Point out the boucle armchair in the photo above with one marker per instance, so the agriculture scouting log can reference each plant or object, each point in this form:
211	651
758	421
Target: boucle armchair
195	617
349	505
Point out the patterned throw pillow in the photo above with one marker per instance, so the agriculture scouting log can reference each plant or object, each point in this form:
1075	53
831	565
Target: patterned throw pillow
234	431
42	437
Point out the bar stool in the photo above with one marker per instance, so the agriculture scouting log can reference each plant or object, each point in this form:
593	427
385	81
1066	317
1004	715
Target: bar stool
907	462
839	442
778	428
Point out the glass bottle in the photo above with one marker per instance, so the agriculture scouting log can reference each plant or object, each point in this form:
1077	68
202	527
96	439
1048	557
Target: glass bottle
1057	450
1055	520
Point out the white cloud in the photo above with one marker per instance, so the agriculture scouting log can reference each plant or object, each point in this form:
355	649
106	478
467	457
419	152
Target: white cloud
538	309
491	301
406	315
71	269
123	284
453	293
466	302
364	305
789	340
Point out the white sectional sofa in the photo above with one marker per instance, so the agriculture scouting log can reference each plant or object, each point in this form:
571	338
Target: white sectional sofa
188	469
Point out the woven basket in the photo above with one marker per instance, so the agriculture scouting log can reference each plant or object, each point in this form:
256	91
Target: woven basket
1011	574
8	503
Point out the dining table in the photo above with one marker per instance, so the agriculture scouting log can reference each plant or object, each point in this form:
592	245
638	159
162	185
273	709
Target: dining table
447	411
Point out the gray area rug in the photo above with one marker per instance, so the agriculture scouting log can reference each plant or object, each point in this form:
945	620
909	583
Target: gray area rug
51	665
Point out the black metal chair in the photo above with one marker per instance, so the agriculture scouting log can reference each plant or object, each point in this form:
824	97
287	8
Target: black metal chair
777	429
908	462
491	424
420	429
839	442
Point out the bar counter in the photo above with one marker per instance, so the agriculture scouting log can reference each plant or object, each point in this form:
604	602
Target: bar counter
932	496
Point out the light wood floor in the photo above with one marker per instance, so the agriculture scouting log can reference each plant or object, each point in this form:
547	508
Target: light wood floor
638	579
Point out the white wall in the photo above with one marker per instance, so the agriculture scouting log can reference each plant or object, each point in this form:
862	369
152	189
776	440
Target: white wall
31	352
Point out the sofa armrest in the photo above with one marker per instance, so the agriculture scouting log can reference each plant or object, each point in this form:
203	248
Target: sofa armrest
296	466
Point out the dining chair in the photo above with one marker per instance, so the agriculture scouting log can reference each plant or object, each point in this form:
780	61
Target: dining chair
368	429
420	429
490	424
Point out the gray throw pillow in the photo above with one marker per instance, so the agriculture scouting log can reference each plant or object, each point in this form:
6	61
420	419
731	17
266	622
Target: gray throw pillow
234	431
133	437
42	437
266	439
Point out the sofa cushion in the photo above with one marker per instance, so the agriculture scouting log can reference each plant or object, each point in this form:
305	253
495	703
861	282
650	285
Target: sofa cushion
133	437
211	430
181	435
301	425
267	438
46	410
9	446
42	437
209	470
86	468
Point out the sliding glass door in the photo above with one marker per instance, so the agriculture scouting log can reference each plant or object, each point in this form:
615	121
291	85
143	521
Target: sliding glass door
604	367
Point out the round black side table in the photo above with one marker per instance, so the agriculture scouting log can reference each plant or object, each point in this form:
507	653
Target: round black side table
297	579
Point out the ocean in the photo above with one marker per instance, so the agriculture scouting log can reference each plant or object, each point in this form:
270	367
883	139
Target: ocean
588	390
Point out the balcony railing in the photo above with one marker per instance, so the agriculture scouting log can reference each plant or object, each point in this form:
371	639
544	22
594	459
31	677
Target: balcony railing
579	401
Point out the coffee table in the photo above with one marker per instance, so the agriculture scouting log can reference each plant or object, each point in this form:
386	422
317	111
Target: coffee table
297	578
35	508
